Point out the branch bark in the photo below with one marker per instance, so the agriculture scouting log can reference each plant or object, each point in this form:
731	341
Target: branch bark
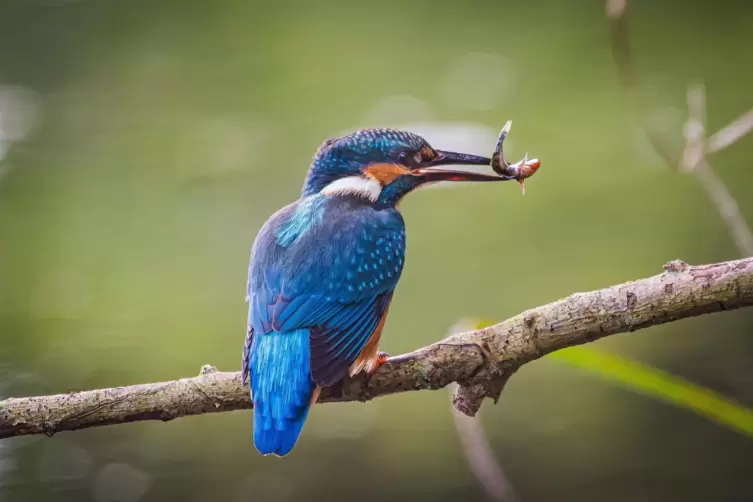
479	361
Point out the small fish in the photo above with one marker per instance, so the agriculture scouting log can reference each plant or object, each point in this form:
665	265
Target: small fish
520	170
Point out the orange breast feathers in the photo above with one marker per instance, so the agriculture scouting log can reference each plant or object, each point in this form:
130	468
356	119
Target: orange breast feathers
385	173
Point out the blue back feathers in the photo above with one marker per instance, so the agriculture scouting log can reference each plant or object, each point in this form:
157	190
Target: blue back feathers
307	212
322	274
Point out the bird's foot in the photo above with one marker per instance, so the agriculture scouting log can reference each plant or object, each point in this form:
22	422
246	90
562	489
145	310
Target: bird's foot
382	358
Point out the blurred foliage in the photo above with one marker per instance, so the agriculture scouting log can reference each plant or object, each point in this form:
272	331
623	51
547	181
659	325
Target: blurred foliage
655	383
661	385
165	133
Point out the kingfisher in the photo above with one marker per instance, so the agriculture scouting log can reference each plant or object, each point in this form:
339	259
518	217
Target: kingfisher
323	271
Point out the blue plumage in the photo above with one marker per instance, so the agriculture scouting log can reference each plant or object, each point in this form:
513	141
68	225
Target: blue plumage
323	271
323	280
281	387
339	157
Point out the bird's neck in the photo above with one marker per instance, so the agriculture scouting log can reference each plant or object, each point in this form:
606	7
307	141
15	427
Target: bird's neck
392	194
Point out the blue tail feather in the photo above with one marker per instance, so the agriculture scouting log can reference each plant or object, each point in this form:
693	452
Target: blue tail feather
281	389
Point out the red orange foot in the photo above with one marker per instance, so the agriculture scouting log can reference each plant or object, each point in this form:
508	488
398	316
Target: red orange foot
381	359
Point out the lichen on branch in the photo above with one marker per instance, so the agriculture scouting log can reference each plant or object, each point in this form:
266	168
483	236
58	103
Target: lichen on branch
480	361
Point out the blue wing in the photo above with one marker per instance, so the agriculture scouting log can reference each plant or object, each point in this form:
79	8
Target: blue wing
337	343
335	277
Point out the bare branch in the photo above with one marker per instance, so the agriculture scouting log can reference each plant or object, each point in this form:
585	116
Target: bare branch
695	128
693	159
481	458
480	361
619	38
616	8
728	135
727	207
476	446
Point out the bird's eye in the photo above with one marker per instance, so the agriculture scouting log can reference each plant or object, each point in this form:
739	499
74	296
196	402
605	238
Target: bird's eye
409	158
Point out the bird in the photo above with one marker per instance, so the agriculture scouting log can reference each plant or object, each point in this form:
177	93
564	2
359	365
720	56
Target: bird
323	271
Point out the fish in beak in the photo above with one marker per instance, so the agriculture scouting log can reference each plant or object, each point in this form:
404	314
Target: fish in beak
518	171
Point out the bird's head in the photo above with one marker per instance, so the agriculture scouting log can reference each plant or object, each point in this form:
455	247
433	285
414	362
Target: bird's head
385	164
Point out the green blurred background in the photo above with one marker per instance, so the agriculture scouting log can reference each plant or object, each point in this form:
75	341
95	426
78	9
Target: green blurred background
144	144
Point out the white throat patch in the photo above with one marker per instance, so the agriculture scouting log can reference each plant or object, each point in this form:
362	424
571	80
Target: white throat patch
355	185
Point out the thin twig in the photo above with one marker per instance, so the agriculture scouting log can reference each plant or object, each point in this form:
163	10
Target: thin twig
695	129
693	158
730	134
481	459
476	447
475	444
480	361
727	207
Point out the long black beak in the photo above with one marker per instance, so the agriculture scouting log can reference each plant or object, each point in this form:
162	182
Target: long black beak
430	174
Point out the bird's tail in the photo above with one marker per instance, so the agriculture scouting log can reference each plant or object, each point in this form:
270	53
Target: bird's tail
281	389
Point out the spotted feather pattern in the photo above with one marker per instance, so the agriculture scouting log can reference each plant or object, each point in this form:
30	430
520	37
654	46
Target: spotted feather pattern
336	278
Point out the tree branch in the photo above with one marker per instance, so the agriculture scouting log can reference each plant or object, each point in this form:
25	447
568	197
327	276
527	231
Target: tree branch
476	447
480	361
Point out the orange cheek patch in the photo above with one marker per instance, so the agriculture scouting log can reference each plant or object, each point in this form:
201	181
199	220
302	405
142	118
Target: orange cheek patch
385	173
